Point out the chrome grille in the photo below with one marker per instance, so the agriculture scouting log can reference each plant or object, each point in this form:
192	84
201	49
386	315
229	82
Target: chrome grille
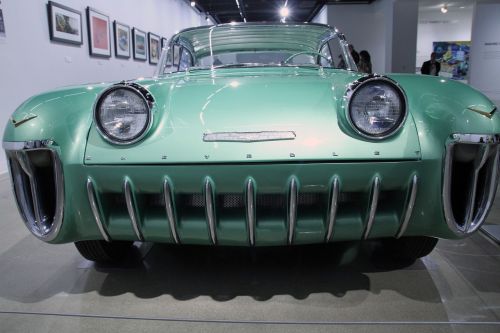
258	209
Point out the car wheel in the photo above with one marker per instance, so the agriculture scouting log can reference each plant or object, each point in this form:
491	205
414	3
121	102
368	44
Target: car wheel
410	248
102	251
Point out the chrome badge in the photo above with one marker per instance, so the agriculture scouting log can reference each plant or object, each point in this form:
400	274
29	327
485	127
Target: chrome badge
26	118
248	136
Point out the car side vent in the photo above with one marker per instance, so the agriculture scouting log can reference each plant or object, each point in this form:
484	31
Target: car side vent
37	179
470	180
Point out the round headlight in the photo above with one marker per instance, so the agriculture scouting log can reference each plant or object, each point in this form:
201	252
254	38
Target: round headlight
377	108
123	114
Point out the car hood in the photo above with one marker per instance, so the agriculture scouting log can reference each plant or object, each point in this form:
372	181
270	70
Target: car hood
303	105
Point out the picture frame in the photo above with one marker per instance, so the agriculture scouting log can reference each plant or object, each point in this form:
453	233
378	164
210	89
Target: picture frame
139	44
65	24
154	48
99	33
164	43
122	40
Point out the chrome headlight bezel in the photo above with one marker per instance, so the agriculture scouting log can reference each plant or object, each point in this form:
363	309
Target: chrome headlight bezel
354	88
140	91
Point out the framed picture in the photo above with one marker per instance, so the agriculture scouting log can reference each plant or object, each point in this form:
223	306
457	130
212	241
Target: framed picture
164	43
65	24
139	44
122	40
99	34
154	43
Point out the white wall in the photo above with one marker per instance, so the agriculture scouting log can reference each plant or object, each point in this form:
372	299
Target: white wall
485	50
322	16
30	63
434	26
365	27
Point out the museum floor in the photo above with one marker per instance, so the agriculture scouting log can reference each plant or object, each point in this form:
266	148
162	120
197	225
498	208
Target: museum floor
46	288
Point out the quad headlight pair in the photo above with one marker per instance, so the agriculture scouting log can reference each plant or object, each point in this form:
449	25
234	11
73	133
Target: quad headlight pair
376	107
123	113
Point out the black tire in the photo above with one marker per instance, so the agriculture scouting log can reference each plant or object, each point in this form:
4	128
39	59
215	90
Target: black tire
102	251
410	248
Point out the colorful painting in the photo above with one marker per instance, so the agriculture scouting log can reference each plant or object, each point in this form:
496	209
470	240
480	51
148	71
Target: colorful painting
99	34
65	24
139	39
122	40
154	43
454	58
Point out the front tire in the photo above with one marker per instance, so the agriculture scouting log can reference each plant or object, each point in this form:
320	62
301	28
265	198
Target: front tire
410	248
102	251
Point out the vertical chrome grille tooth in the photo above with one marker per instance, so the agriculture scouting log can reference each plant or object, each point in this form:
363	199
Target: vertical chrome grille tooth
131	207
210	210
373	207
26	165
95	209
332	213
169	208
479	162
409	206
292	209
250	210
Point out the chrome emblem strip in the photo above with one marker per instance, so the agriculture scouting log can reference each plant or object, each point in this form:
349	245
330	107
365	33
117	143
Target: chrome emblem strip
249	136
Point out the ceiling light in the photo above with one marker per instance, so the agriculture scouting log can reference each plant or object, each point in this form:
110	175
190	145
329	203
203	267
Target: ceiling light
193	3
284	11
444	9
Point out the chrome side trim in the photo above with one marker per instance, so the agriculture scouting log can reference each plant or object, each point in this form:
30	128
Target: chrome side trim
332	213
250	207
409	206
475	138
169	208
292	209
131	207
210	210
95	209
373	207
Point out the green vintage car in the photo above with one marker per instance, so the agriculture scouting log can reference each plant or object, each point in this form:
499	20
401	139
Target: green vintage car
255	135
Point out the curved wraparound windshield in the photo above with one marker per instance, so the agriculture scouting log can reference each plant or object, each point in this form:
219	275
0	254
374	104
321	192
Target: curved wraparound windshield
253	45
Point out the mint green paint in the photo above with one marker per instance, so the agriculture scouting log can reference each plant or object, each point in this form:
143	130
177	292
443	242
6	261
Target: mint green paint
307	101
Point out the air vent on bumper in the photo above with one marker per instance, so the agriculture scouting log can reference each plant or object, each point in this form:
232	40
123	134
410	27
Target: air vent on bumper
470	180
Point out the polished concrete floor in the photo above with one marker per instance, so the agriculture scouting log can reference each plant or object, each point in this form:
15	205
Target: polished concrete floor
47	288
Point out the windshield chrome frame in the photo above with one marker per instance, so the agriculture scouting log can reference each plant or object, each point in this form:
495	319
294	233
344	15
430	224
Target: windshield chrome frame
179	41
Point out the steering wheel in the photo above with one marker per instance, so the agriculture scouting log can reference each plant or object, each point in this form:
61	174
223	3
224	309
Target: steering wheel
307	52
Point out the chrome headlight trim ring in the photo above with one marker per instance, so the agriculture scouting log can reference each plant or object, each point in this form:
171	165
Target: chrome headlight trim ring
138	90
355	86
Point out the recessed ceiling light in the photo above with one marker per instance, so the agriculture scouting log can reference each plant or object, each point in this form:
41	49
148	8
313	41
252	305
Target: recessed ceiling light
284	11
193	3
444	9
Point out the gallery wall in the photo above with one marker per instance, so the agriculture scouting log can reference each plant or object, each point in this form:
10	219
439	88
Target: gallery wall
485	50
30	63
434	26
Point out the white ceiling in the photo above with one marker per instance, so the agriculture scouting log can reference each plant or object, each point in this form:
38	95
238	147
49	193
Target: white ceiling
429	5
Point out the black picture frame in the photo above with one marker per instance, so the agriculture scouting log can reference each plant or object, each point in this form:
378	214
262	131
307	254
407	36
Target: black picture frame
154	48
119	40
96	36
139	44
67	30
164	43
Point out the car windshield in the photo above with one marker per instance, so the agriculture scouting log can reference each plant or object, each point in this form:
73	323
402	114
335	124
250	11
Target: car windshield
256	45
